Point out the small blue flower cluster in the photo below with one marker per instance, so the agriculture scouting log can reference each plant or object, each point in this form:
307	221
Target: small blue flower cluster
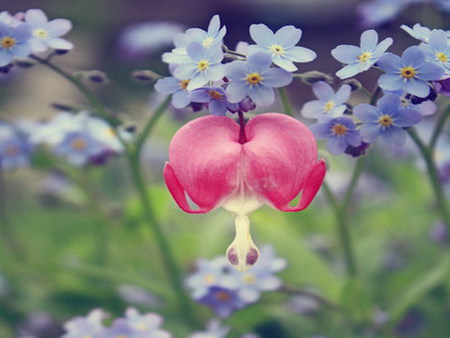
133	324
246	81
226	290
410	83
15	147
31	32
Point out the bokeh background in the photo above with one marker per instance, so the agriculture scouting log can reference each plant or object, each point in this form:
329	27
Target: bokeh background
63	273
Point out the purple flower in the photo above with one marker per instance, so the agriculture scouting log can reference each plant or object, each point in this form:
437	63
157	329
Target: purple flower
410	72
89	326
442	86
204	66
437	50
340	133
78	148
387	120
255	78
47	33
136	325
330	104
215	98
280	46
15	149
222	301
14	42
360	59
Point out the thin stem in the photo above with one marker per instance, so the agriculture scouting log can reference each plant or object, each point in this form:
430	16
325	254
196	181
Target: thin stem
375	95
285	101
343	231
93	100
433	175
242	136
357	171
439	126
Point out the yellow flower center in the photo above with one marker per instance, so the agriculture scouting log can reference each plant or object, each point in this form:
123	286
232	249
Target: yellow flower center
183	84
328	106
277	49
207	42
253	78
442	57
249	278
385	120
8	42
203	65
364	57
209	278
407	72
40	33
222	296
78	144
215	95
339	129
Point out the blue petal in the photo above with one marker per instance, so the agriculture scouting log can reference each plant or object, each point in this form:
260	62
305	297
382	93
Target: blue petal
430	72
369	40
417	88
394	136
389	104
197	81
167	85
348	71
276	77
438	39
215	72
214	53
370	132
390	81
321	130
300	54
407	118
185	71
366	113
382	47
337	145
343	94
214	25
217	108
346	53
413	56
236	70
389	62
259	62
252	49
284	63
354	138
323	91
180	99
312	109
288	36
22	49
5	57
196	51
262	95
22	32
236	92
200	95
262	35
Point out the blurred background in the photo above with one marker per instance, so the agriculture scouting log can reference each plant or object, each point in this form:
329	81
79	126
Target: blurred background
62	271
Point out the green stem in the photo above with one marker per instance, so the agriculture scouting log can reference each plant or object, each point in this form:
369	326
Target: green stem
439	126
93	100
285	101
357	171
433	174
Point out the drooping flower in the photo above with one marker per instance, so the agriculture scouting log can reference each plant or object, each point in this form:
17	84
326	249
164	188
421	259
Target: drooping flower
281	46
215	98
47	33
437	50
218	163
329	103
205	65
14	42
340	132
410	72
360	59
386	120
255	78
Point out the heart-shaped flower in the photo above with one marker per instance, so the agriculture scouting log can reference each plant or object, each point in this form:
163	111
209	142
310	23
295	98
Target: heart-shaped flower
219	163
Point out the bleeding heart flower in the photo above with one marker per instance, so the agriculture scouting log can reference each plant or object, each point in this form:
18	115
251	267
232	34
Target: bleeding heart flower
219	163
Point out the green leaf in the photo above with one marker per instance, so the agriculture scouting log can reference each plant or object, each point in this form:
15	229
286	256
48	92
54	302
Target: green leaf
357	301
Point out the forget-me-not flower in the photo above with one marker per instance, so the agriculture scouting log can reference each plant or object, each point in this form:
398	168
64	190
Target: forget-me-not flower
409	72
256	79
386	120
329	103
215	98
222	301
78	148
47	33
360	59
89	326
281	46
176	87
418	32
14	42
205	65
213	36
340	132
437	50
15	149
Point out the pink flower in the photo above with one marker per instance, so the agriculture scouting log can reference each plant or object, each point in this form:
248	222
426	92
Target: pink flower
219	163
